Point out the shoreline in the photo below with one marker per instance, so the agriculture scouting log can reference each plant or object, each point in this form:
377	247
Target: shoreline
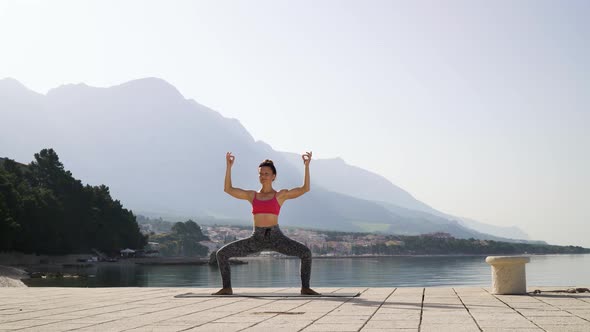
12	273
417	271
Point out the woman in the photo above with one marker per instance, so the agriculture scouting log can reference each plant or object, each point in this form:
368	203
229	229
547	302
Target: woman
266	205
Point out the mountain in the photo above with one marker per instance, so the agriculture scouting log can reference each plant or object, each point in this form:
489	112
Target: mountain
329	173
512	232
164	155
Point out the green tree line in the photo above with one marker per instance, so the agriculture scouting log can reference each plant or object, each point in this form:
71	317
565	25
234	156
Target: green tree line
426	245
183	240
438	245
45	210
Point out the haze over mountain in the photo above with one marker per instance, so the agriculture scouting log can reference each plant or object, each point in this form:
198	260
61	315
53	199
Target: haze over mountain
361	183
164	155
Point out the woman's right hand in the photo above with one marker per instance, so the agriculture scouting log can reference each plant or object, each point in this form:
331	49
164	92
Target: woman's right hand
229	159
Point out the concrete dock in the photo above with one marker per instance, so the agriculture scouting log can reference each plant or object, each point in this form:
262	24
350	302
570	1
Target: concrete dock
376	309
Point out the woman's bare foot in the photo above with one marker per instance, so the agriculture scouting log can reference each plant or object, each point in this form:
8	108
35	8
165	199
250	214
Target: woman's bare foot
224	291
309	291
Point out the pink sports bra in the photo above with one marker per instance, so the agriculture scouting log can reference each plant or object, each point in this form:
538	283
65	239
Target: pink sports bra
266	206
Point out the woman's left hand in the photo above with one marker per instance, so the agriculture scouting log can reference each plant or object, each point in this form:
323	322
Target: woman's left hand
306	158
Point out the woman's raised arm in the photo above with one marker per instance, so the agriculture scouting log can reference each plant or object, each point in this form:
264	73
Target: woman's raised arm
296	192
227	187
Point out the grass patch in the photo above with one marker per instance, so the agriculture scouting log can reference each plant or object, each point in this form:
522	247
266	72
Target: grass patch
370	228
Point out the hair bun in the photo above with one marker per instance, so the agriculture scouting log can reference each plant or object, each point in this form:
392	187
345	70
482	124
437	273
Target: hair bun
269	163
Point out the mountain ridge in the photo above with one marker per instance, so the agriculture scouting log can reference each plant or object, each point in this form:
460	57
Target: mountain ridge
166	144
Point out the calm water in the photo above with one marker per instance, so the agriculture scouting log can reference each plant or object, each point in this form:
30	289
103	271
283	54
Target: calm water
552	270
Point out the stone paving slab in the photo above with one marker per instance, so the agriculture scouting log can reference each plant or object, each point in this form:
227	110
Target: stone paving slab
436	309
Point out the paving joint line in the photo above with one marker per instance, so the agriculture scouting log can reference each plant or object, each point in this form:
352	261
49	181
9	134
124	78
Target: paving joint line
324	315
244	299
37	299
270	316
287	311
70	319
231	314
571	313
108	321
518	312
468	311
308	301
373	314
262	321
183	305
421	310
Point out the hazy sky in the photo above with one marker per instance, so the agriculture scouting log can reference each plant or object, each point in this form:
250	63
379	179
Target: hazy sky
477	108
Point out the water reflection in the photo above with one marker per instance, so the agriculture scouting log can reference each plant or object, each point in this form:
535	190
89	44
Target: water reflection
552	270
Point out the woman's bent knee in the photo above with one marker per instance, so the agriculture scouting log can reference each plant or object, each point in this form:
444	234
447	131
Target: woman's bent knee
306	253
220	254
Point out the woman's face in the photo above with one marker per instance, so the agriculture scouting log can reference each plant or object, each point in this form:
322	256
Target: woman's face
265	174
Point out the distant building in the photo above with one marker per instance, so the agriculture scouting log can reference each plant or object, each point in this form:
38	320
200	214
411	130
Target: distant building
127	252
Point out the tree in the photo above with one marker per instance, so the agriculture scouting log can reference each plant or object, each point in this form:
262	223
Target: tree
45	210
10	205
183	240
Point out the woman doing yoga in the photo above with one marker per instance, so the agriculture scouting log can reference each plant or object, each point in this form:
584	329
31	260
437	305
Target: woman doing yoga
266	205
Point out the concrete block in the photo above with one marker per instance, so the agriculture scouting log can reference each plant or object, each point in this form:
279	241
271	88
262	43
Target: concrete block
508	274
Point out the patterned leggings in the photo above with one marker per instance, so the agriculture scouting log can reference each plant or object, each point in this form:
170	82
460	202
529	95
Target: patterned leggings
264	238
